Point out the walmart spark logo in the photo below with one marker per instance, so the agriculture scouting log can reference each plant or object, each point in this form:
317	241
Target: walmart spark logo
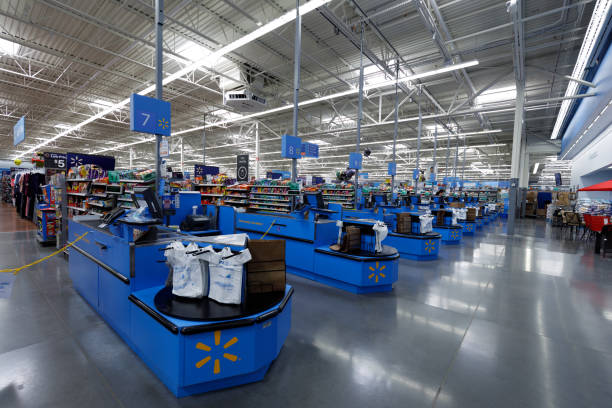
469	227
377	272
454	234
163	123
217	364
430	246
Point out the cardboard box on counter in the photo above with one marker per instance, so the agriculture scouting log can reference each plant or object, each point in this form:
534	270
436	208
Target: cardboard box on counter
266	270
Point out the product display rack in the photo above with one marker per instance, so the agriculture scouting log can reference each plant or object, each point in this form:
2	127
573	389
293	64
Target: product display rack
100	201
77	191
210	192
237	196
339	194
270	198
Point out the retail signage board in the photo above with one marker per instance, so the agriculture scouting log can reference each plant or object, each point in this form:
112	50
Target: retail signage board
355	161
242	168
310	150
201	170
364	175
78	159
55	160
392	169
150	115
291	147
19	131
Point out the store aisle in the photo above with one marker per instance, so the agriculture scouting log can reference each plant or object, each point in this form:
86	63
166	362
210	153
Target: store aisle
523	321
10	221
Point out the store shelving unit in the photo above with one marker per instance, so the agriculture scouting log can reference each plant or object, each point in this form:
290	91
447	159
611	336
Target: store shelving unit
77	191
270	198
237	196
100	201
210	192
339	194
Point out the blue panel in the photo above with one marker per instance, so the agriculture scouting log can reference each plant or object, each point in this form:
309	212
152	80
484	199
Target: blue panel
310	150
392	169
355	161
113	303
84	275
150	115
19	131
291	147
78	159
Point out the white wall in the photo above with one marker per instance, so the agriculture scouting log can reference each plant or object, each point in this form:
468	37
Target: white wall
592	164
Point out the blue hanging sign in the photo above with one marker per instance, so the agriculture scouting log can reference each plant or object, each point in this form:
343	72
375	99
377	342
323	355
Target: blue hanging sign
150	115
78	159
19	131
291	147
355	161
392	169
415	174
310	150
364	175
200	170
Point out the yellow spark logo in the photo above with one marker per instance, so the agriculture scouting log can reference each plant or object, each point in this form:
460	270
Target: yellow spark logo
377	272
469	227
430	246
217	363
163	123
454	234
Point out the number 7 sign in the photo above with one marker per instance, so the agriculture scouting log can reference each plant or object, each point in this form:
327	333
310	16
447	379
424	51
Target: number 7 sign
150	115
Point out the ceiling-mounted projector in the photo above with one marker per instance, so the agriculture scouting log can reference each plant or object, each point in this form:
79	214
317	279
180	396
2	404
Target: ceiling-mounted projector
244	100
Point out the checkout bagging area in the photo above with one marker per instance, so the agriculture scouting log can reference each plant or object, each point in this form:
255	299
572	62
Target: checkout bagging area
204	313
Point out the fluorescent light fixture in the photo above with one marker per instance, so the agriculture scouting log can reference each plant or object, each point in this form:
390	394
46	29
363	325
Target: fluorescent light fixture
62	126
598	19
536	167
319	142
496	95
211	59
449	68
8	47
397	146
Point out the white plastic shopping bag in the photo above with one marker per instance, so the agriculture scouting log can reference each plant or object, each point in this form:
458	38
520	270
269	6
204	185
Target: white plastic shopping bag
426	223
189	276
381	230
226	275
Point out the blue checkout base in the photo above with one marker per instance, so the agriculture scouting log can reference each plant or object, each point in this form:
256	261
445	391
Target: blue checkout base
352	273
479	222
469	227
195	357
418	247
450	234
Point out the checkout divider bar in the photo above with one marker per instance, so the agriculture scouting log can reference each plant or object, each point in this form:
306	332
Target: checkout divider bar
113	272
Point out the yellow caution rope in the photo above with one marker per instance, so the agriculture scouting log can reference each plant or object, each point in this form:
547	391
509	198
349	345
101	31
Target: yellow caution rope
15	271
268	230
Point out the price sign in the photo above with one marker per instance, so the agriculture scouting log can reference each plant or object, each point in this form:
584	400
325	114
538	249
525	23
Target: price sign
55	160
149	115
291	147
164	149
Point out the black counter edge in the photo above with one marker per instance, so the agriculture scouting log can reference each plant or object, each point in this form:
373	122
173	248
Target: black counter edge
110	270
310	241
278	310
132	260
156	316
357	257
416	236
203	328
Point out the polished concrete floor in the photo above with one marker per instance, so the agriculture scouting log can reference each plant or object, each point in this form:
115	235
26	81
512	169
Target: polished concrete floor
496	322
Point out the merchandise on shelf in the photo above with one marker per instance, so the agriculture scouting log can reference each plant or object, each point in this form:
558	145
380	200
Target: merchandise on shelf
212	191
338	193
272	195
237	194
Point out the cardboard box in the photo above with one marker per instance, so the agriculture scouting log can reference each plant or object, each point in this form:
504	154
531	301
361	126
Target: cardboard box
266	270
541	212
471	214
404	223
532	196
457	204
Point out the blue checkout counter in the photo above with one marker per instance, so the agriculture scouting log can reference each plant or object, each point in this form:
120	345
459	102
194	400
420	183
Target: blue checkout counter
416	245
124	281
309	235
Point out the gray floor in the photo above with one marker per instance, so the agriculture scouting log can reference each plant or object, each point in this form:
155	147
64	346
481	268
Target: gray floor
520	322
